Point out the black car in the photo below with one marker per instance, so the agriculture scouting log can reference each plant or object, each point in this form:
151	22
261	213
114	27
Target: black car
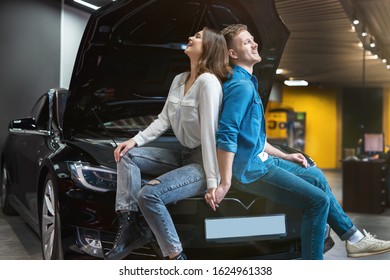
57	166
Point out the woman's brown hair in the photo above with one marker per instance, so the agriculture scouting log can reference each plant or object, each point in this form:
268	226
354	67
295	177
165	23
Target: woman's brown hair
214	57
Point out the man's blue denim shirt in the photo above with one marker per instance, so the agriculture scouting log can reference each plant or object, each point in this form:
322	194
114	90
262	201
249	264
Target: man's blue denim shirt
242	125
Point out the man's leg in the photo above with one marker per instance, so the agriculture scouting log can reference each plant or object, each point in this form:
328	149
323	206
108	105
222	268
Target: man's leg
357	244
337	219
284	187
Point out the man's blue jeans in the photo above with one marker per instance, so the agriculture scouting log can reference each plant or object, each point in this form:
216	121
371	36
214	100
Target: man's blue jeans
176	176
307	189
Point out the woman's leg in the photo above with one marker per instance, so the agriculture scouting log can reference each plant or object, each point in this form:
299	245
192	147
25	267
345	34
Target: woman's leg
179	184
337	218
286	188
149	161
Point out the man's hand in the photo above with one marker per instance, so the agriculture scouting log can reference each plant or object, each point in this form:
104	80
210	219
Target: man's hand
214	197
123	148
298	158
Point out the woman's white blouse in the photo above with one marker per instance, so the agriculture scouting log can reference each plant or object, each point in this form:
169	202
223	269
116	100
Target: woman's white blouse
193	118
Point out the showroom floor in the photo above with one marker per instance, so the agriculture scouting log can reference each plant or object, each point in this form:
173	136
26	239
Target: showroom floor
18	241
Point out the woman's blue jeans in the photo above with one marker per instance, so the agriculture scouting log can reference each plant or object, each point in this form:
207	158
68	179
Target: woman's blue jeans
176	176
305	188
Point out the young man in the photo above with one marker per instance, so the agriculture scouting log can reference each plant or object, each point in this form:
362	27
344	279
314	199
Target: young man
250	164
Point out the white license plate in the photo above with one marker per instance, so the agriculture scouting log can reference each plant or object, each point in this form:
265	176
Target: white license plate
245	228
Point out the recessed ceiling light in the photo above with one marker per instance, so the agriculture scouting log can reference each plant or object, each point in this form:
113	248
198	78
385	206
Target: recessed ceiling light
296	83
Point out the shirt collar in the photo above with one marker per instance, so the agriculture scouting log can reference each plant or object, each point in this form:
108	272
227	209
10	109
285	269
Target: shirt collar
242	71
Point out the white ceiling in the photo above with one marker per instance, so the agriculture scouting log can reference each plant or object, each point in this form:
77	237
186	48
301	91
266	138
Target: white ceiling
322	47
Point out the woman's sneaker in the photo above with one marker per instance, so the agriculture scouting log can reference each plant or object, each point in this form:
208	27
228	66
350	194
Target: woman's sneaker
367	246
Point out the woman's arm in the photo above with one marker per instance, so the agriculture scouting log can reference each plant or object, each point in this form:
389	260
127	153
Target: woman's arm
210	98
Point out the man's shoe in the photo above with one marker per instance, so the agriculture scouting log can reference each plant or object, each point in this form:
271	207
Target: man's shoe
367	246
129	237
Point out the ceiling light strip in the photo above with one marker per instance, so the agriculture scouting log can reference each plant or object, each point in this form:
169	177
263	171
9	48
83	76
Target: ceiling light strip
89	5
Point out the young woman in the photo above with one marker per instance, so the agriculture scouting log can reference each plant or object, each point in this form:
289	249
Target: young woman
191	111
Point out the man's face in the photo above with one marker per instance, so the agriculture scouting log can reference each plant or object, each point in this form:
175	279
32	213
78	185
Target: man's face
244	49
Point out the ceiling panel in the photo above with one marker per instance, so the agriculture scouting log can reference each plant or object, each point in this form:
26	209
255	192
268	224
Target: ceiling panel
323	48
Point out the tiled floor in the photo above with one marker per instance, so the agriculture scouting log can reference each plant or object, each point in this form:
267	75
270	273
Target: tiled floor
18	241
375	224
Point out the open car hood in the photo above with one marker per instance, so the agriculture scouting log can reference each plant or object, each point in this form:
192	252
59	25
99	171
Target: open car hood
131	51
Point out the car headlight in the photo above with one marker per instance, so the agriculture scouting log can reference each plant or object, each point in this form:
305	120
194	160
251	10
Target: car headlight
96	178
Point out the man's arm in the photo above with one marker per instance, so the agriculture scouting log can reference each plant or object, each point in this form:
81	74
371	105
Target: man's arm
225	161
271	150
296	157
236	99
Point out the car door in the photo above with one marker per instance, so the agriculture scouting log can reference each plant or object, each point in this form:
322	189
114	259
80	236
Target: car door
31	147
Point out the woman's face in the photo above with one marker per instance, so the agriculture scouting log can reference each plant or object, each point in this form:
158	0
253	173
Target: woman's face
195	46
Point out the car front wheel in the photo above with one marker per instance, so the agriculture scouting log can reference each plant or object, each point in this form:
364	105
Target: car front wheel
50	222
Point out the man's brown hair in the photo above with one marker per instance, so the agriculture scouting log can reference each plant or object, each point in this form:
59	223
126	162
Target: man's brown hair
232	31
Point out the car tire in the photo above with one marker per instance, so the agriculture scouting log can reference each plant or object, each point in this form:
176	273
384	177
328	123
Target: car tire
50	222
6	206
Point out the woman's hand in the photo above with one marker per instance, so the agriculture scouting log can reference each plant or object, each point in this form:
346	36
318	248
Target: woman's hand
214	196
122	149
210	198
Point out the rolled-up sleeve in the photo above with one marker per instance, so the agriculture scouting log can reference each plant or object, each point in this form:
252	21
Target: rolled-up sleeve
236	99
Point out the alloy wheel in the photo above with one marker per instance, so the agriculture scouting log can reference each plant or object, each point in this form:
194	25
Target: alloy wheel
48	229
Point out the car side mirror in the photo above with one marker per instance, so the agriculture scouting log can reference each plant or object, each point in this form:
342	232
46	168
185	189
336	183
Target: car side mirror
23	124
